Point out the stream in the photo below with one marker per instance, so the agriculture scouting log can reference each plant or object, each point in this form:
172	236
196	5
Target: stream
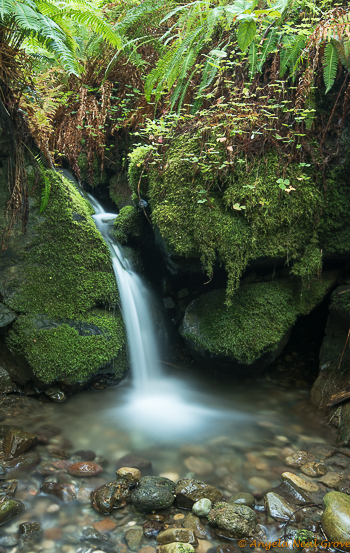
178	423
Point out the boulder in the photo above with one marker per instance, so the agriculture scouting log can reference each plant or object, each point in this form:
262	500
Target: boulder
336	518
188	491
253	330
239	520
57	275
153	493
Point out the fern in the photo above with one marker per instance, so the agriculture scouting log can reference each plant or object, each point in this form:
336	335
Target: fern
293	46
269	45
330	64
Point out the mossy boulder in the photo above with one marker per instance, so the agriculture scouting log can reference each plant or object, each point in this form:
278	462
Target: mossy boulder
58	279
336	519
120	191
252	331
128	224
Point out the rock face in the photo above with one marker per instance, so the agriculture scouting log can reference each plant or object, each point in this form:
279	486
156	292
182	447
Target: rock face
153	492
239	520
333	378
336	517
57	275
254	329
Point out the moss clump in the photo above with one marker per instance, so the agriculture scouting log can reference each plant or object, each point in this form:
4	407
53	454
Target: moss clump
242	214
72	350
259	317
128	224
98	177
63	273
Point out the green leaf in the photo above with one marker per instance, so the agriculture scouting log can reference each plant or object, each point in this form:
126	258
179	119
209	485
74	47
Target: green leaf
246	34
330	64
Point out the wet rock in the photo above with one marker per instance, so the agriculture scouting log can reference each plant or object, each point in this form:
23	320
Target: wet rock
278	508
85	468
151	528
20	465
331	479
9	509
292	494
107	524
8	489
56	394
6	384
133	461
7	316
176	548
168	303
238	520
177	535
58	453
323	451
198	465
30	532
299	483
85	455
242	498
336	517
17	442
193	523
259	484
313	469
297	459
133	538
113	495
225	549
92	535
157	517
65	492
131	475
153	493
202	507
188	491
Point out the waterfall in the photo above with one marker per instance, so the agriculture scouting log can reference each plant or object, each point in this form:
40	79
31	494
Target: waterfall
136	307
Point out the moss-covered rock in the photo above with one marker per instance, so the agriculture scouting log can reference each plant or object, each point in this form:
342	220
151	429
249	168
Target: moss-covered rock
204	207
120	191
253	330
58	278
128	224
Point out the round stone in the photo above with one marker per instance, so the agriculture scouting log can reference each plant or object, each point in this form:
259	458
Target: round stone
130	474
202	507
9	509
242	498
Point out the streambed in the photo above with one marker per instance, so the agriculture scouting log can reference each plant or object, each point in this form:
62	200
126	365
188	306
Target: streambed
234	437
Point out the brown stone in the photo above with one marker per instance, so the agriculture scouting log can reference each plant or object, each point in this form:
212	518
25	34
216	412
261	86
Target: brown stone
17	441
172	535
299	483
314	469
85	468
297	459
130	474
113	495
105	525
192	522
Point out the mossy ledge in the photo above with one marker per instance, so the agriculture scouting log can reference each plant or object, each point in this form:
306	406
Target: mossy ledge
59	279
242	214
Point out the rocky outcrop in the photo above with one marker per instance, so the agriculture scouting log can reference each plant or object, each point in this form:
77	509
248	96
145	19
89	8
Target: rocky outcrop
252	331
57	286
331	391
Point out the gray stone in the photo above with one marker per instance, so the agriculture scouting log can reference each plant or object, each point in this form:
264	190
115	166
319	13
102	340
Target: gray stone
278	508
202	507
133	538
336	517
153	493
7	316
239	520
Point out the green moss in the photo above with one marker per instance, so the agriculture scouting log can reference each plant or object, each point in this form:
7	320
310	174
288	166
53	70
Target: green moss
63	274
73	350
260	315
242	214
128	224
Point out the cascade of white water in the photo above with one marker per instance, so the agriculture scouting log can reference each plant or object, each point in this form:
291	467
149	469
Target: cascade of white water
136	307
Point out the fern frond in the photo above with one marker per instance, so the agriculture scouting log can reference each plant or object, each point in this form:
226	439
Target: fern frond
330	64
269	45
